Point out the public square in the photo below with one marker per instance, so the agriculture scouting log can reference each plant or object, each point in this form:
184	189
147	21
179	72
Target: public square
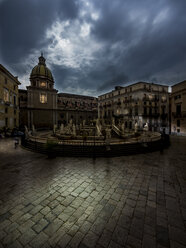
129	201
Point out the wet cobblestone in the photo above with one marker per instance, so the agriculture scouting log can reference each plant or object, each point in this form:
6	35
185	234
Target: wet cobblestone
129	201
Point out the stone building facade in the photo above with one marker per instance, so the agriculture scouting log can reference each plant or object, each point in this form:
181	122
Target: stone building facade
9	106
42	106
139	103
76	107
178	108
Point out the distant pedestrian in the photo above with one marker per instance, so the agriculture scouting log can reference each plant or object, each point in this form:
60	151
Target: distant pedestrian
16	142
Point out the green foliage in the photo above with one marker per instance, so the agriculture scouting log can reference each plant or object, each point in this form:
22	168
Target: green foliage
51	144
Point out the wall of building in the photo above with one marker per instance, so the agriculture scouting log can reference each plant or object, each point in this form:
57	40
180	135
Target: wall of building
9	105
178	108
141	102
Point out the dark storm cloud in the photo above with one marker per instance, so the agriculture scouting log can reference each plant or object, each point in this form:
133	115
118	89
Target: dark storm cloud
23	24
139	40
151	37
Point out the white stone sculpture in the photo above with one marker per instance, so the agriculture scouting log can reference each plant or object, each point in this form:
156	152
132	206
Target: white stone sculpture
136	127
123	128
113	121
61	128
146	127
74	129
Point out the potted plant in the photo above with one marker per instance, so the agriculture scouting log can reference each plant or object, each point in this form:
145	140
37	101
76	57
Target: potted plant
50	148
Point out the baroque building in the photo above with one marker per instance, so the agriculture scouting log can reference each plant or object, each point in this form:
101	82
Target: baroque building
139	103
42	106
9	106
178	108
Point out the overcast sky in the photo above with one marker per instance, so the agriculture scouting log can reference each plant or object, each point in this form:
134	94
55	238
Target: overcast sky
93	45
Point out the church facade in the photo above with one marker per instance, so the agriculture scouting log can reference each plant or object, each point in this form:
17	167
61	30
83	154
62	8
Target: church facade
42	106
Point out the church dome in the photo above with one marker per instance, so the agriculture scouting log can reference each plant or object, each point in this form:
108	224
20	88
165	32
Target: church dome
41	71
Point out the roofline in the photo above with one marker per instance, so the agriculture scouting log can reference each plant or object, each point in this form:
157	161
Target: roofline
3	69
179	83
22	90
123	87
69	94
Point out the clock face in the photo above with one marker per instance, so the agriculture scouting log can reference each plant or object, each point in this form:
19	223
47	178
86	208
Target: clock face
43	84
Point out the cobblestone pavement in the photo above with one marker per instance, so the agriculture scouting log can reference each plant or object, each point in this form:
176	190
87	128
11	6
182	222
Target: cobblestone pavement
133	201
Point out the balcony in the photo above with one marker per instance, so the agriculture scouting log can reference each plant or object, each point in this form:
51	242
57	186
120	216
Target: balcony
152	115
7	103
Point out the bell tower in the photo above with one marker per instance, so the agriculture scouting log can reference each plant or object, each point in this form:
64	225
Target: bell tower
42	97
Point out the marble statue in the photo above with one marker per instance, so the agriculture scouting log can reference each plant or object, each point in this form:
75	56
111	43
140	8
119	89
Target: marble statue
113	121
26	132
108	133
123	128
62	128
74	129
136	127
54	128
146	127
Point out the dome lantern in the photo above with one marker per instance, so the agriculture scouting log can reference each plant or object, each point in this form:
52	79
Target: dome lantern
42	60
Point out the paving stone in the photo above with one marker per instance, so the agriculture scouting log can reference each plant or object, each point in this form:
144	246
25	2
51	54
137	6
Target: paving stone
45	210
85	226
133	242
177	235
105	238
15	244
26	225
10	238
27	236
64	217
133	201
65	239
53	227
39	240
120	235
11	227
90	239
149	241
41	225
112	244
76	240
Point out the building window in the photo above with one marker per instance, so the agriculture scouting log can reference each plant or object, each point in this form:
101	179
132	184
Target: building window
6	122
6	95
178	123
43	84
6	81
136	110
43	98
14	100
6	110
178	109
150	111
177	97
145	110
14	111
